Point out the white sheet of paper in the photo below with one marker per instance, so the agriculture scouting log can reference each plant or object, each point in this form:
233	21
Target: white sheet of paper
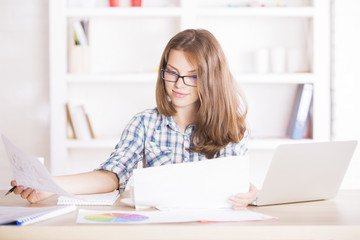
175	216
205	184
29	172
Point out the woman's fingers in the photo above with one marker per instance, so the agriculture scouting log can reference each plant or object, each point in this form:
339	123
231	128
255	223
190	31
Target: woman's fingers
30	194
26	193
18	190
242	200
239	204
33	197
13	183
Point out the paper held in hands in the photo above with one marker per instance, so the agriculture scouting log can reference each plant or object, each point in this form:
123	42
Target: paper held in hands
198	185
29	172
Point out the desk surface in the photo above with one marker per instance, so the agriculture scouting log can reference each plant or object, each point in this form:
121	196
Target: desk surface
338	218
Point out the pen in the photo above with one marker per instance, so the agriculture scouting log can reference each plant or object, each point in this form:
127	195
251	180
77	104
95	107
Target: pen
11	190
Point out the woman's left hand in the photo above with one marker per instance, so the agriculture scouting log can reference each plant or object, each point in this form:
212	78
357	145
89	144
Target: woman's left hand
242	200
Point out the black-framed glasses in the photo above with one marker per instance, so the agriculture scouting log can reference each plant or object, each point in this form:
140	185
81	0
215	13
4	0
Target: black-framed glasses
173	77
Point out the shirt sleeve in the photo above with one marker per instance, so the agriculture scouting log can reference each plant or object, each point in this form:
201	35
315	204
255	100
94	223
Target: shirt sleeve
127	153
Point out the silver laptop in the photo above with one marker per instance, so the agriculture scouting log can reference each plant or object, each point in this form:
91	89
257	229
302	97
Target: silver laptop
305	172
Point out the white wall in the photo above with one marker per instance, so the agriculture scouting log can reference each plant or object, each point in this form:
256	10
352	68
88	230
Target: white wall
346	80
24	104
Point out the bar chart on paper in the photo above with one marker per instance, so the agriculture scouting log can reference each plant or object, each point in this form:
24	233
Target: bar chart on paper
115	217
173	216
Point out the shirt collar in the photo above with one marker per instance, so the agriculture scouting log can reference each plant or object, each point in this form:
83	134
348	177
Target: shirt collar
171	123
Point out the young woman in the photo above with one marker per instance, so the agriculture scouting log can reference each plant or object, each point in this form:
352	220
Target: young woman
200	115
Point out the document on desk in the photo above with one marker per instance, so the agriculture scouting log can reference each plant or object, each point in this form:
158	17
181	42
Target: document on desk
29	172
174	216
205	184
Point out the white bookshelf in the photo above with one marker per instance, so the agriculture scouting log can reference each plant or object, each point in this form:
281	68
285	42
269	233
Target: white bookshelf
154	26
116	78
257	12
201	12
151	78
125	12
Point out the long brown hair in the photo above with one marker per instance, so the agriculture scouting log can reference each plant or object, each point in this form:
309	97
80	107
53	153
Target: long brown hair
221	116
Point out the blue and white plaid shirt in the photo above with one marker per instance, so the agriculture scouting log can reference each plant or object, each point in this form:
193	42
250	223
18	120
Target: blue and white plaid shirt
152	139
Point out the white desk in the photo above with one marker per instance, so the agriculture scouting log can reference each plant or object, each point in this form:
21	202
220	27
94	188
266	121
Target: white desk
338	218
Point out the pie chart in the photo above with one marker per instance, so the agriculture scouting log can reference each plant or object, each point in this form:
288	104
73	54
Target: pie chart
115	217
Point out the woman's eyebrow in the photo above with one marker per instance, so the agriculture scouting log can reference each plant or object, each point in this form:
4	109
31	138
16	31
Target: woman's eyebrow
172	67
189	72
193	71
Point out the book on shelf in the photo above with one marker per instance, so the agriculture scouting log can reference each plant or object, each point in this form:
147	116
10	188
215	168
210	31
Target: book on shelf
308	133
78	48
88	122
70	120
79	122
301	111
81	32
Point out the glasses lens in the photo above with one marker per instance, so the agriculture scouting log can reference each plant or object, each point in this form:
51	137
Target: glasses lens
170	76
191	80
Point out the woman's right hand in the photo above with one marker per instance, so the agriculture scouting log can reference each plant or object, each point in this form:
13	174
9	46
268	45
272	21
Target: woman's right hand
30	194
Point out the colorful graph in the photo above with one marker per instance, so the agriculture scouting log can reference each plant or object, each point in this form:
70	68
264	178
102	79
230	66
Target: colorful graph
115	217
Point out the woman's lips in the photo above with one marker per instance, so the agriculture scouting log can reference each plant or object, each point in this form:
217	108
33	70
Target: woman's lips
180	95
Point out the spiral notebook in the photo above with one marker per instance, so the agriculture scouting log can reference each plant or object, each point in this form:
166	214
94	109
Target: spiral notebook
91	199
27	215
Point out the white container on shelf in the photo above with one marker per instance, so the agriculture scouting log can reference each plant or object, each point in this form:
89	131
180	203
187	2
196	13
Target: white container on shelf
79	59
296	61
278	59
261	60
245	63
